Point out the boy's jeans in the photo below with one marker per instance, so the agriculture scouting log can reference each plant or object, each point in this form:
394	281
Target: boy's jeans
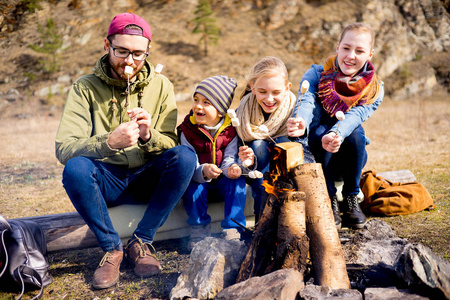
93	186
230	191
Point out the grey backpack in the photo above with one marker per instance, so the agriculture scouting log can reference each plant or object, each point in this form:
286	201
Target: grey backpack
23	260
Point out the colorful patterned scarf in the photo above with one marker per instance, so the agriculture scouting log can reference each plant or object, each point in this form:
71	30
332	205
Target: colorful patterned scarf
339	92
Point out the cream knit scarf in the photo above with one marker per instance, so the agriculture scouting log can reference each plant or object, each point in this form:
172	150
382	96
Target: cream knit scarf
250	115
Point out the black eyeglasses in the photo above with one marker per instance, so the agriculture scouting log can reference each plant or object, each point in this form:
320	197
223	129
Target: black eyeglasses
124	53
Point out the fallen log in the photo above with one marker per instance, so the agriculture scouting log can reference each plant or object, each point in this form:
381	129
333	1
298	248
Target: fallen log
68	231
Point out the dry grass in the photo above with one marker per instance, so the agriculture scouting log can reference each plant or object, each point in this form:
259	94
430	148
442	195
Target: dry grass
405	135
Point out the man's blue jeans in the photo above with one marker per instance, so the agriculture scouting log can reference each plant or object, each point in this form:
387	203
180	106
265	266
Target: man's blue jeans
93	186
346	164
224	189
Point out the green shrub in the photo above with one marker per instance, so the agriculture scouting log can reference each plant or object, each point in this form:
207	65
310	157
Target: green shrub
51	44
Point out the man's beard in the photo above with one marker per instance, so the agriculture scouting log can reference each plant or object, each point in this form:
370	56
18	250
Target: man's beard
117	69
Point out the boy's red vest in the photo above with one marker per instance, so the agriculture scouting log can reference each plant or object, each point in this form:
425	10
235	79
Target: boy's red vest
209	149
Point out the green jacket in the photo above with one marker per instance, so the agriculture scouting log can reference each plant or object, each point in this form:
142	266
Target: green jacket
89	116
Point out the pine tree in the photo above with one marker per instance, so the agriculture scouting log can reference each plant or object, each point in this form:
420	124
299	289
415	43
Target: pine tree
51	44
205	24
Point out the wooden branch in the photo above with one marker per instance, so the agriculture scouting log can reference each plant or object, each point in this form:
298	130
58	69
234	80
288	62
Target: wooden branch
325	247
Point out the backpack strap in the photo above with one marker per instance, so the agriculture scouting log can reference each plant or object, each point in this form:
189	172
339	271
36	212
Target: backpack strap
5	223
3	249
23	270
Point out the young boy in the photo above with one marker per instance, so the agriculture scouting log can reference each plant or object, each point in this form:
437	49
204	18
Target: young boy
208	130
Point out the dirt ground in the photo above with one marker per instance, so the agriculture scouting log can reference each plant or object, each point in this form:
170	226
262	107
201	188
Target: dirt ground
409	135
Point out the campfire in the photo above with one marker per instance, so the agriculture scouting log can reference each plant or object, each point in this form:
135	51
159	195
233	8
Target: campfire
297	224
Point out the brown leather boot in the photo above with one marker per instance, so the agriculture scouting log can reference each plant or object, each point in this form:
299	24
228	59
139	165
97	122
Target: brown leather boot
145	264
107	273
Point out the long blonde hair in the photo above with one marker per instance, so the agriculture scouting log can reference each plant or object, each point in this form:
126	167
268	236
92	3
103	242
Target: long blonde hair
267	66
373	90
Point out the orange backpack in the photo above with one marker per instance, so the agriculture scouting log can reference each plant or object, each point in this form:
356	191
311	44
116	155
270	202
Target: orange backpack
382	196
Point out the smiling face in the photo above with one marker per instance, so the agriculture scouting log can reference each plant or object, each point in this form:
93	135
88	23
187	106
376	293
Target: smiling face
133	43
205	113
353	51
270	91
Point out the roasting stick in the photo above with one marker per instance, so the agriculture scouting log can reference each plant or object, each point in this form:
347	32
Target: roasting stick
129	72
303	89
252	174
340	116
158	68
264	129
246	163
234	120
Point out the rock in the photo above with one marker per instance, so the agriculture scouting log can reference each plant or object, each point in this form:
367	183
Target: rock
390	293
371	255
322	292
279	13
182	96
12	95
281	284
3	103
213	266
55	89
423	270
64	79
376	243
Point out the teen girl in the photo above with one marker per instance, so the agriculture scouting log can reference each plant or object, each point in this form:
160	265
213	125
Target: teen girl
346	82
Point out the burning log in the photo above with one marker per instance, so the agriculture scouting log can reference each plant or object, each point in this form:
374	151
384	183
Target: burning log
292	242
280	239
297	215
326	251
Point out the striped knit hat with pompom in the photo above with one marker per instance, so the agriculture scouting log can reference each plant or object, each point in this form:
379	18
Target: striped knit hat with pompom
219	90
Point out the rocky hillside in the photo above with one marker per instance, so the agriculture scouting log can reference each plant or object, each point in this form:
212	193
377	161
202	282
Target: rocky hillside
412	41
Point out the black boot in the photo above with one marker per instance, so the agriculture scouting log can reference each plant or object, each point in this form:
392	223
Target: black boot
336	212
353	215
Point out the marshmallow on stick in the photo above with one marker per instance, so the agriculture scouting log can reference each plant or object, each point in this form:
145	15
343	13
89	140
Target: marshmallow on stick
247	163
231	113
303	89
234	120
264	129
255	174
158	68
305	86
340	116
128	70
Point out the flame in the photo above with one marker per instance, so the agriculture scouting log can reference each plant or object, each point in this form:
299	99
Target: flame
270	189
276	172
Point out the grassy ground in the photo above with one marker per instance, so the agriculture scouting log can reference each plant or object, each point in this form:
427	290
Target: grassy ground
405	135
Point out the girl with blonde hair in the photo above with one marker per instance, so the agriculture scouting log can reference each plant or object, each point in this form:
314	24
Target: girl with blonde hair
264	108
346	86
